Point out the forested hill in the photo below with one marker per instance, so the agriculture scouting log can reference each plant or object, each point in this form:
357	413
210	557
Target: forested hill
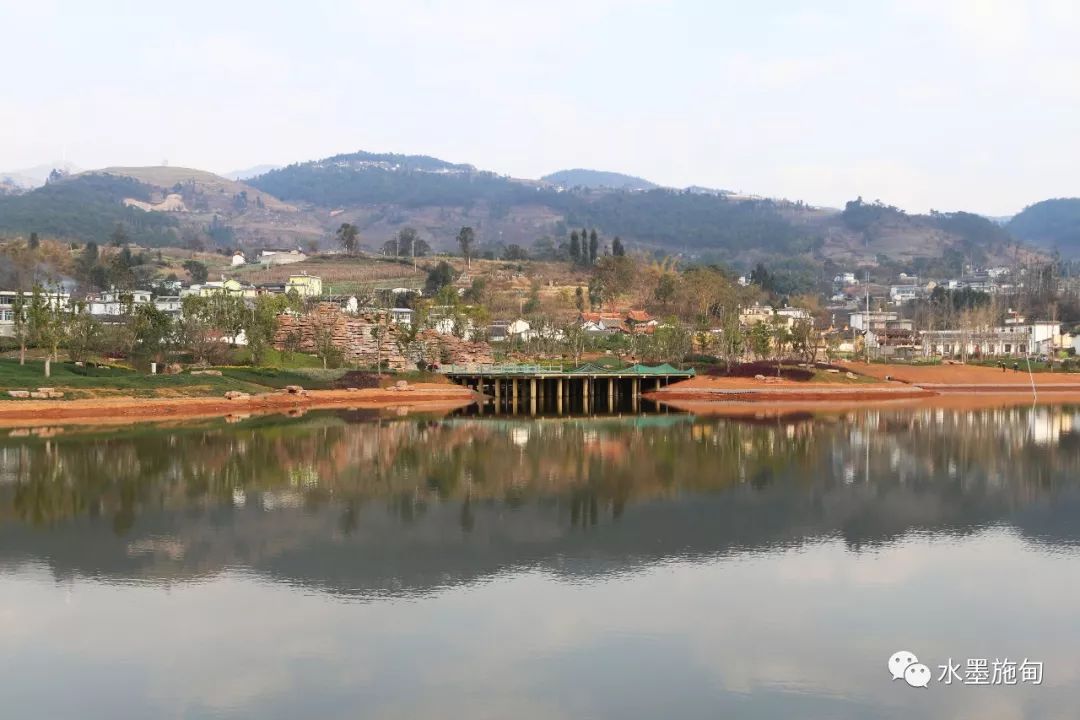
409	180
304	203
713	225
1050	224
579	177
87	208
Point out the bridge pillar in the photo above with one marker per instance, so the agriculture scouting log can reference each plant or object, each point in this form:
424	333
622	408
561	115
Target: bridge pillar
497	390
558	395
514	391
611	394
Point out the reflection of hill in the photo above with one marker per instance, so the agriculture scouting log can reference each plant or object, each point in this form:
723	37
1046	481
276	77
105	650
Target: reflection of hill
409	506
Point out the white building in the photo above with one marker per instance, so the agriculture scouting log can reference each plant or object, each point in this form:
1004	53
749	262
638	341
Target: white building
281	257
238	259
169	304
57	300
116	302
873	320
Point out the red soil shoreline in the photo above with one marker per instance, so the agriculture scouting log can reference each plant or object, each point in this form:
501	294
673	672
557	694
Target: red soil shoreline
428	396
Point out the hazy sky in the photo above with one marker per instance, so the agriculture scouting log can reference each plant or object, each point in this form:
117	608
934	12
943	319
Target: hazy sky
924	104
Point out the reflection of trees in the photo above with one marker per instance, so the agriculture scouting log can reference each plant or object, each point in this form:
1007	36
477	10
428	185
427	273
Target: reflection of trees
591	470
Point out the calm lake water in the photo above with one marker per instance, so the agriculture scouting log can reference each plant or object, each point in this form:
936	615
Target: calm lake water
339	565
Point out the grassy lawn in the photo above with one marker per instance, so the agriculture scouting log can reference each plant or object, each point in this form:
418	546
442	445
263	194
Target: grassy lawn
103	381
106	381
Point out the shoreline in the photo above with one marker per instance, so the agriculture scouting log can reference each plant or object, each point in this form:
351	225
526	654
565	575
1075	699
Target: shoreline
121	410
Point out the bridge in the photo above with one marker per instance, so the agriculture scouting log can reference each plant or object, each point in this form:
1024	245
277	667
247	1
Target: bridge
588	387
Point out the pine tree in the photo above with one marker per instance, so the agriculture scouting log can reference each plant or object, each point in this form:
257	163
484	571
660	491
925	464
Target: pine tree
617	248
593	246
575	248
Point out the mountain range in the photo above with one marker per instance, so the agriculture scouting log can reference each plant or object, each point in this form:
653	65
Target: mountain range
303	203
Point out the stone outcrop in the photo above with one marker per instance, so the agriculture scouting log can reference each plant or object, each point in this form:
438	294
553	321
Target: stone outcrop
351	334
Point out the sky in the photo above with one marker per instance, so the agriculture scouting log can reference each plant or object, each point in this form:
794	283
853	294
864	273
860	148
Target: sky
924	104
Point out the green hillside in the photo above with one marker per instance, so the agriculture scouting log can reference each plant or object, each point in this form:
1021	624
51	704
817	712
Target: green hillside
595	179
1050	224
87	208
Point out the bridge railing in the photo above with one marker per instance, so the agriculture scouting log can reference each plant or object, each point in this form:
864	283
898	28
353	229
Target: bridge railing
502	368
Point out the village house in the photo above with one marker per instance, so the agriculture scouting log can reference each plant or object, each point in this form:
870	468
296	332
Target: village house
238	259
872	320
112	303
222	287
57	300
305	285
168	304
281	257
788	316
1015	339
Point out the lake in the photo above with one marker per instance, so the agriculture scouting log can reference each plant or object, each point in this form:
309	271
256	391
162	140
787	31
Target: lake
358	565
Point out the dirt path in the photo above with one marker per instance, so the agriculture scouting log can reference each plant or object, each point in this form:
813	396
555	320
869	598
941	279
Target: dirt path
120	410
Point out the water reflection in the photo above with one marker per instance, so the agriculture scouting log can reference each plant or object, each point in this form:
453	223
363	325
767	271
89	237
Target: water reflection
345	565
434	500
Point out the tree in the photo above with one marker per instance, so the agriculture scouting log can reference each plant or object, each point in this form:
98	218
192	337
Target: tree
196	270
20	325
379	332
732	338
196	328
515	252
617	248
616	276
262	324
760	340
83	333
804	340
666	287
34	242
575	247
439	277
781	338
228	314
579	298
150	331
594	244
348	237
119	236
46	327
466	238
596	293
532	305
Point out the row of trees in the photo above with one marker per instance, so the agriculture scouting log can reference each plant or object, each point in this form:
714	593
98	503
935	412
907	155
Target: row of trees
204	331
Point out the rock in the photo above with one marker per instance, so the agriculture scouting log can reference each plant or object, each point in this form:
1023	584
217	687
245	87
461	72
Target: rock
351	334
236	395
834	371
352	389
402	384
173	369
759	377
295	390
55	394
851	376
39	395
19	393
774	380
46	390
215	373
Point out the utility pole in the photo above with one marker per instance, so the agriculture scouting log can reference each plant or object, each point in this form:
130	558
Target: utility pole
866	332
